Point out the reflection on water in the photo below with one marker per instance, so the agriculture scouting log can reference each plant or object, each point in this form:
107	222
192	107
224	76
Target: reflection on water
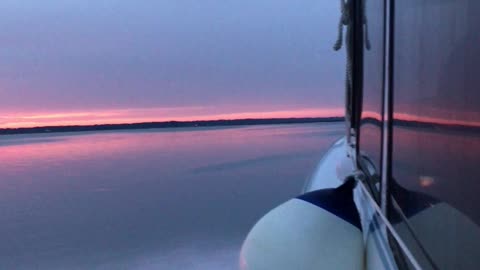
158	199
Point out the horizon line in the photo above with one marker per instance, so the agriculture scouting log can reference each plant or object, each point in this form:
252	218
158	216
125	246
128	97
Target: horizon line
338	117
148	115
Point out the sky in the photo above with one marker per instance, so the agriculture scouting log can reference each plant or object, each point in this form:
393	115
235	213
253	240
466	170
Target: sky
115	61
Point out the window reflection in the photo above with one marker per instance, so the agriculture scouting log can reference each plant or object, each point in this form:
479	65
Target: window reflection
436	136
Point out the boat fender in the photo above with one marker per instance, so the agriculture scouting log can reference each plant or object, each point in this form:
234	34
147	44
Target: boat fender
317	230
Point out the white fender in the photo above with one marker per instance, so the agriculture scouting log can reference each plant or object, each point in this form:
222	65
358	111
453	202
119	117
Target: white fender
301	234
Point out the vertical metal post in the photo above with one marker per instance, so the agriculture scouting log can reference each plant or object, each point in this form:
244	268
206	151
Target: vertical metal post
387	103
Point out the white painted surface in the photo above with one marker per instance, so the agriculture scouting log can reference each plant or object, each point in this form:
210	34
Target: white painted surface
332	169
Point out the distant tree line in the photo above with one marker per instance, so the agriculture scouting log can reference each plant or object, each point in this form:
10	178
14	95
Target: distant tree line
169	124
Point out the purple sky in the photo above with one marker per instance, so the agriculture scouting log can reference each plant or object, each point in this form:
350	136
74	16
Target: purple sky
75	56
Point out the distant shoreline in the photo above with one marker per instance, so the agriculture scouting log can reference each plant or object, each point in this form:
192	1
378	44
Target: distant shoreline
169	124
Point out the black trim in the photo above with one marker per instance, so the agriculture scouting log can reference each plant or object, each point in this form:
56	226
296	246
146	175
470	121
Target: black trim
389	123
357	66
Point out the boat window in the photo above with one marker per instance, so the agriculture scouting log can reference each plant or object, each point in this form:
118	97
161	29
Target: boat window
435	202
370	135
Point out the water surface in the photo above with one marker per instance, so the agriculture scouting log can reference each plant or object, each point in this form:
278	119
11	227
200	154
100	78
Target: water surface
147	199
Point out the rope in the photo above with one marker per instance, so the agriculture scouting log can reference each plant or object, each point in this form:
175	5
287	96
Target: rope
346	21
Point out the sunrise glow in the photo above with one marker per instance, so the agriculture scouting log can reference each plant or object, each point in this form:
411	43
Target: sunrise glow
122	116
462	118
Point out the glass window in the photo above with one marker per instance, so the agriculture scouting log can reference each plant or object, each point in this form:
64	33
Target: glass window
436	134
370	136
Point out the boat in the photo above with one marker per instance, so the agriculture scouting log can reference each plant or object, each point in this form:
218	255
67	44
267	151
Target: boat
401	189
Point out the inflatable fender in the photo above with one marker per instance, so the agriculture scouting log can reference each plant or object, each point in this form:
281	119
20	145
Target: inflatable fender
317	230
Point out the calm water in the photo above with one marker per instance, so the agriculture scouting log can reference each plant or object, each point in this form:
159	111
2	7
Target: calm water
158	199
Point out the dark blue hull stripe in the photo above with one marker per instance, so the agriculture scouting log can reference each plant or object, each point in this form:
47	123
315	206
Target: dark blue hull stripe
338	201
